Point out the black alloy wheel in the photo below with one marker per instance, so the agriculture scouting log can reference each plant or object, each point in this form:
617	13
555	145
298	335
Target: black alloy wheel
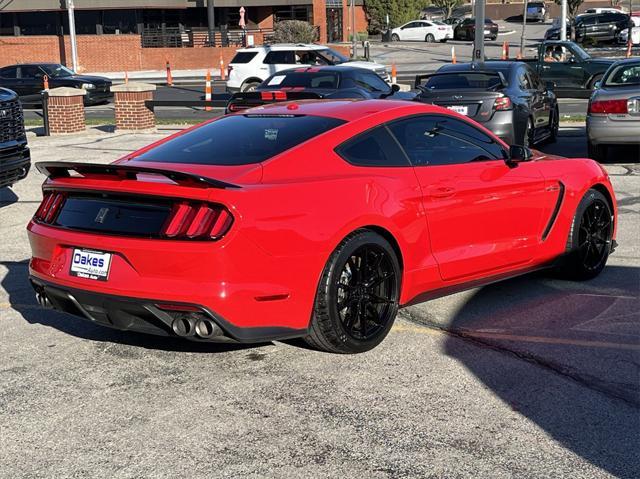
358	294
590	238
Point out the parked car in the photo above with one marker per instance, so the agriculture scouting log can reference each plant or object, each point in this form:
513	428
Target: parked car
603	10
312	219
569	66
613	116
537	11
15	159
554	32
623	36
422	30
466	29
251	66
507	98
340	81
27	80
600	27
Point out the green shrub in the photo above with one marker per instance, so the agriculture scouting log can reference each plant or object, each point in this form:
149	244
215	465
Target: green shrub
294	31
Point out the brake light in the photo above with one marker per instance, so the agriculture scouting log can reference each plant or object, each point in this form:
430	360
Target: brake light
273	95
197	221
502	103
608	107
49	207
234	107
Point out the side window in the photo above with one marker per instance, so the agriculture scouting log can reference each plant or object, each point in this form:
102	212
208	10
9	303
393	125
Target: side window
375	147
279	57
523	80
535	79
10	72
30	72
371	82
441	140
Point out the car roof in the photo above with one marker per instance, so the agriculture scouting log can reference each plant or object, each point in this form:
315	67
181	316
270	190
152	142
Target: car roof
284	46
30	64
342	68
347	110
469	67
627	61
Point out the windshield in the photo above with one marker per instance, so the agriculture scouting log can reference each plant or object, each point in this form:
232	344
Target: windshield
333	57
623	75
296	79
240	139
57	71
580	52
464	81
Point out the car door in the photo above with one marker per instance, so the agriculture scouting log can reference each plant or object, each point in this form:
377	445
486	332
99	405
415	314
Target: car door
534	96
407	32
275	61
483	215
567	73
32	82
422	30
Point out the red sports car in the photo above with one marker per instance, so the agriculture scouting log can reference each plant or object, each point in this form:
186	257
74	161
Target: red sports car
312	219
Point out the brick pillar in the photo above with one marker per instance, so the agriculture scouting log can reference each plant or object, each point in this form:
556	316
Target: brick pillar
320	18
131	112
66	110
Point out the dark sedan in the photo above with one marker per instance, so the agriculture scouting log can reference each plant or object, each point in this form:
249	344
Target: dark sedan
466	30
507	98
27	80
330	82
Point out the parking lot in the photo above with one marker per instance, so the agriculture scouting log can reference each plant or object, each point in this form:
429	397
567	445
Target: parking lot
532	377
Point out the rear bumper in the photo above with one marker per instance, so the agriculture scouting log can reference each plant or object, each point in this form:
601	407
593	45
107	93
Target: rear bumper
601	130
15	162
150	317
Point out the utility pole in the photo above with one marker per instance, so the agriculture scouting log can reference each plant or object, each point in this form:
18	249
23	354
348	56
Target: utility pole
211	19
352	22
524	27
72	35
478	38
563	19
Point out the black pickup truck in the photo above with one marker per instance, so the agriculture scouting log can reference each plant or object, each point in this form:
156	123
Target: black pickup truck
15	159
569	66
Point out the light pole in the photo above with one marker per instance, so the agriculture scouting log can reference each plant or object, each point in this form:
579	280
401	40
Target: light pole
563	19
352	22
72	35
478	37
524	27
211	19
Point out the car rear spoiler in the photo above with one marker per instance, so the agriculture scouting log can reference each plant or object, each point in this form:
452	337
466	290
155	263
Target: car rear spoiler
420	78
245	100
63	169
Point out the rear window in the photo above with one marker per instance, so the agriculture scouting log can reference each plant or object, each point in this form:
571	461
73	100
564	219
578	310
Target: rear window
623	75
302	79
240	139
455	81
243	57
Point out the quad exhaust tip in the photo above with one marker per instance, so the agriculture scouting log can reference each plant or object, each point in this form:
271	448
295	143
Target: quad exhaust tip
192	325
43	301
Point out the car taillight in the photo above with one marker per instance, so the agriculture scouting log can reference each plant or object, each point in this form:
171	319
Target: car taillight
197	221
234	107
502	103
442	28
49	208
273	95
608	106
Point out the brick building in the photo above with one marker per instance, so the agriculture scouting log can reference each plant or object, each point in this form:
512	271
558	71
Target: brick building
141	34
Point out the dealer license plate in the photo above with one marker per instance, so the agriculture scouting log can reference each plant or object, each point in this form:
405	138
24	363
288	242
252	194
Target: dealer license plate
90	264
487	32
463	110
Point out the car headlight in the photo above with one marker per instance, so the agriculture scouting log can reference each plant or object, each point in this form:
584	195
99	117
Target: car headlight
88	86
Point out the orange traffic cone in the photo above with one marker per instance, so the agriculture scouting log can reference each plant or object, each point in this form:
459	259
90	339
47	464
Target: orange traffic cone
207	91
453	55
45	81
222	71
519	57
394	74
169	77
629	45
505	50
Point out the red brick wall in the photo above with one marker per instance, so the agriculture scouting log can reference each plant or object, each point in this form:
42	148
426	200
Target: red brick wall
111	53
131	112
320	18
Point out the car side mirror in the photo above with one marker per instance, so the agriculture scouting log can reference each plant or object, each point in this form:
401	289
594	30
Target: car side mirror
518	154
597	85
395	88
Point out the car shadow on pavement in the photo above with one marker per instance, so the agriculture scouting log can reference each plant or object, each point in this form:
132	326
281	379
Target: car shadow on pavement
7	197
22	299
587	335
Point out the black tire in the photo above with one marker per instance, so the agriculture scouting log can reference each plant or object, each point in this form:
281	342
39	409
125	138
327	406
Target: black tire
594	80
444	40
493	39
395	37
360	260
597	152
589	241
430	38
249	86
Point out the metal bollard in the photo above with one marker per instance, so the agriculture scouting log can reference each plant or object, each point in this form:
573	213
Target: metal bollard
45	112
366	45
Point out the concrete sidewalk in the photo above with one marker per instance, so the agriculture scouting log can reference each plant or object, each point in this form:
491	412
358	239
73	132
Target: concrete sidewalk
160	76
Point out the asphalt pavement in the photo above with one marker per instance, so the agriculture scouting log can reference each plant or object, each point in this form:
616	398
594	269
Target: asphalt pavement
533	377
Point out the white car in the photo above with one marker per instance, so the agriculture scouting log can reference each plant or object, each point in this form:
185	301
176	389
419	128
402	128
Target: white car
623	36
423	31
251	66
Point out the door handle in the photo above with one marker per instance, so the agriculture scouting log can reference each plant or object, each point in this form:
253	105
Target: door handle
443	192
